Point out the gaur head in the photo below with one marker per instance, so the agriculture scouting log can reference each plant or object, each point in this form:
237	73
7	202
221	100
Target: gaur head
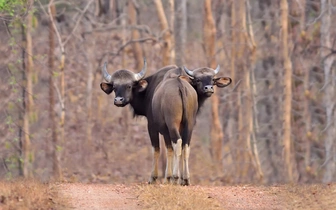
124	83
204	79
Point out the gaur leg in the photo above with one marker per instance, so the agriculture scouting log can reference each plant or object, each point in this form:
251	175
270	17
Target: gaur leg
154	136
185	159
173	140
177	146
185	165
169	163
177	156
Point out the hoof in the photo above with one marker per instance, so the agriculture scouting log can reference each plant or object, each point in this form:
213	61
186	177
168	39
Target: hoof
176	180
168	180
185	182
152	180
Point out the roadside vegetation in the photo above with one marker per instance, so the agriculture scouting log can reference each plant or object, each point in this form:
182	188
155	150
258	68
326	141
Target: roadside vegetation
175	197
30	194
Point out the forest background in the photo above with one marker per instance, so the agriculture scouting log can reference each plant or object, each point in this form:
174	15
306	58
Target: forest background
274	124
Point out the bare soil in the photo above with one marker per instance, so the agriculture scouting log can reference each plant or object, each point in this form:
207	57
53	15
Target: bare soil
99	196
143	196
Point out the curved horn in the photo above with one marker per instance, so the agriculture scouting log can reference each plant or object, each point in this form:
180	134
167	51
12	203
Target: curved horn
142	73
217	70
106	75
190	73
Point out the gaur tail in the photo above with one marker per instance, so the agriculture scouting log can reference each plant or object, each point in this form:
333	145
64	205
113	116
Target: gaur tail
185	121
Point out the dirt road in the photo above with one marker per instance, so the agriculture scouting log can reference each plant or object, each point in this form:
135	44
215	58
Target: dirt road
99	196
108	196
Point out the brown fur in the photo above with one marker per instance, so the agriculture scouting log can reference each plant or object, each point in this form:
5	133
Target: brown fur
174	106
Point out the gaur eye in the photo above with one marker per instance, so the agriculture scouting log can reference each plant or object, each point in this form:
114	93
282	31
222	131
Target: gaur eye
129	86
198	80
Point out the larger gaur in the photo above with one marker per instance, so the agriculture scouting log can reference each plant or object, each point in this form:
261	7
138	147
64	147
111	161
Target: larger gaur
132	88
175	106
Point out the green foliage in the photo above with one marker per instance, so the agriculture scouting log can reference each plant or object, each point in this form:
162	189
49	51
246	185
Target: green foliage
56	74
59	148
33	116
12	6
10	106
9	120
12	161
8	145
31	157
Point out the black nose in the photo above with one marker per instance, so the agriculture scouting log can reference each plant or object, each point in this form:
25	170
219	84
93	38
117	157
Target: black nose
118	100
208	89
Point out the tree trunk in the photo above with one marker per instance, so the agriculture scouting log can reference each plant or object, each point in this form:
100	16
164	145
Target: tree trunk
137	50
180	29
244	102
329	93
209	38
30	63
123	23
171	27
27	150
91	44
61	94
98	8
287	104
167	36
118	11
22	115
301	115
251	105
89	85
233	98
57	172
62	119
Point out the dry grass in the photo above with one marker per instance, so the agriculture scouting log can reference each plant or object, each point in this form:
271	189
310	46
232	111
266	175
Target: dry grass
317	196
29	194
175	197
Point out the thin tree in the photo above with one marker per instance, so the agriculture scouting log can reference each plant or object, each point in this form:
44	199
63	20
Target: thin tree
61	94
22	114
171	28
167	36
244	113
232	105
287	103
28	107
180	30
57	172
235	119
329	92
133	11
301	116
123	23
252	92
209	39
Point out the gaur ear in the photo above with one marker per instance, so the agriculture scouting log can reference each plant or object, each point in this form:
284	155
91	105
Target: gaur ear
222	81
106	87
192	80
186	78
142	85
